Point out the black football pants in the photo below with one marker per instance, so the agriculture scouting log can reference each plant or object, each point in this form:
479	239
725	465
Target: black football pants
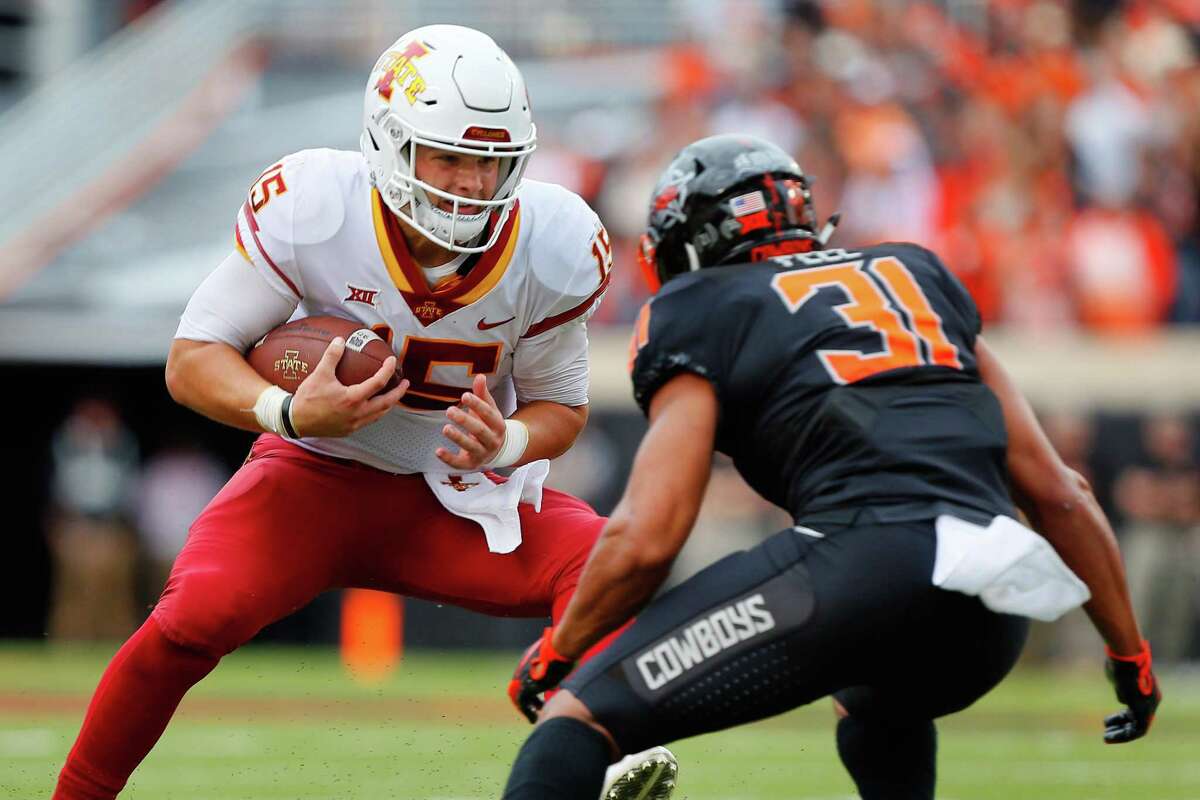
792	620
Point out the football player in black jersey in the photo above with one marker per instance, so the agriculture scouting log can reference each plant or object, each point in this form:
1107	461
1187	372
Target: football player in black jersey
850	387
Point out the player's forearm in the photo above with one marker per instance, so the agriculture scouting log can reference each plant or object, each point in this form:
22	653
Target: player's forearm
1060	504
553	428
616	583
635	551
1072	521
634	554
651	523
213	379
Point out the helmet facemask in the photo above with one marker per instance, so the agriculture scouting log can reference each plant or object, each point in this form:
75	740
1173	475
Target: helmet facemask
414	200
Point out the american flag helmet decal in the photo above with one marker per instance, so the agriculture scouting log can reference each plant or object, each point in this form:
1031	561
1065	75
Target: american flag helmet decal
747	203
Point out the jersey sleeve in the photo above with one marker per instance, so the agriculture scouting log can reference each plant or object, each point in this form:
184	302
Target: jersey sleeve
571	259
286	206
234	305
572	265
959	298
553	367
673	334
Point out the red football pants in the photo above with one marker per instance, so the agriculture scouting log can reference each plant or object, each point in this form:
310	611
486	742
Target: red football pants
288	526
292	524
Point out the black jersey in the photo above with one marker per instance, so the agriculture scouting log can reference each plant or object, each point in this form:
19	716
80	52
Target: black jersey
847	382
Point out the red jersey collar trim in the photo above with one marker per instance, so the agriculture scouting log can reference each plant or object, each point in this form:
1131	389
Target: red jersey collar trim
429	305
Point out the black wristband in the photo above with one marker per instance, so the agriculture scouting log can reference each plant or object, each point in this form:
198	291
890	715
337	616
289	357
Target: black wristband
286	414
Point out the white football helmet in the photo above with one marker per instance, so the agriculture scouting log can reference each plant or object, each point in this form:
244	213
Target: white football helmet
452	88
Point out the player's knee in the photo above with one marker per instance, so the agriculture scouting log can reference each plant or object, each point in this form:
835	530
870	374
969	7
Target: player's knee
566	705
889	759
204	614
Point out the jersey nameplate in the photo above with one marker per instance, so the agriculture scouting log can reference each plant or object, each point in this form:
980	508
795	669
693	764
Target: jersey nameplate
815	258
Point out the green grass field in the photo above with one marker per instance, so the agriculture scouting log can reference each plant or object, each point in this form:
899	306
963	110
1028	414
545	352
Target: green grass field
288	723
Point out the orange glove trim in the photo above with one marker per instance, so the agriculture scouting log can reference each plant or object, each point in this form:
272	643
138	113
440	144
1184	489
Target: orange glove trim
1144	660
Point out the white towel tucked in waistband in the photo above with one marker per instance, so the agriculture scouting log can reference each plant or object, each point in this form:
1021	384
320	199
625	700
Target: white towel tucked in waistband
492	505
1010	568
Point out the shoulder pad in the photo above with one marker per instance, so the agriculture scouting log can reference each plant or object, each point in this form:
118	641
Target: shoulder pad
570	255
297	201
301	198
670	337
910	250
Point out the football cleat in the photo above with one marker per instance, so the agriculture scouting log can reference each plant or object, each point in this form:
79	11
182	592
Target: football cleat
648	775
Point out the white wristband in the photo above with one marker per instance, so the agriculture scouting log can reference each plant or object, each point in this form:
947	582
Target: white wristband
516	439
273	411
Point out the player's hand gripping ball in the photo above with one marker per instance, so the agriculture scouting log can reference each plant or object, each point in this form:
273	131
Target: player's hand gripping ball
540	670
288	354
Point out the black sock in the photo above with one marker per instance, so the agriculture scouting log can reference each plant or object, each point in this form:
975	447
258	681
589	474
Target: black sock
889	761
563	759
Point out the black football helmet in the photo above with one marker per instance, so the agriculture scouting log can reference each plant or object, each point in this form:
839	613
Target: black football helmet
725	199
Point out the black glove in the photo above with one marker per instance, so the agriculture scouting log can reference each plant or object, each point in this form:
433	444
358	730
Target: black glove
1133	678
540	669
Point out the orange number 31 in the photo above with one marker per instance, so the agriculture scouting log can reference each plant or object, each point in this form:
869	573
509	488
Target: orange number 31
868	307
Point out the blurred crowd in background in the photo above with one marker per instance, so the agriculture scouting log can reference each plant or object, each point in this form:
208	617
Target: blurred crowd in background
1050	153
1048	150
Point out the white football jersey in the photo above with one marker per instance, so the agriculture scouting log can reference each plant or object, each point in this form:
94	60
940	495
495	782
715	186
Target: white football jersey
317	230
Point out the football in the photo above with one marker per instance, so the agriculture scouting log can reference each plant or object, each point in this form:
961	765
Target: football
288	354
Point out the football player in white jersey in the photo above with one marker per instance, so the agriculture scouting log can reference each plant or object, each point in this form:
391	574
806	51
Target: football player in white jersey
481	282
